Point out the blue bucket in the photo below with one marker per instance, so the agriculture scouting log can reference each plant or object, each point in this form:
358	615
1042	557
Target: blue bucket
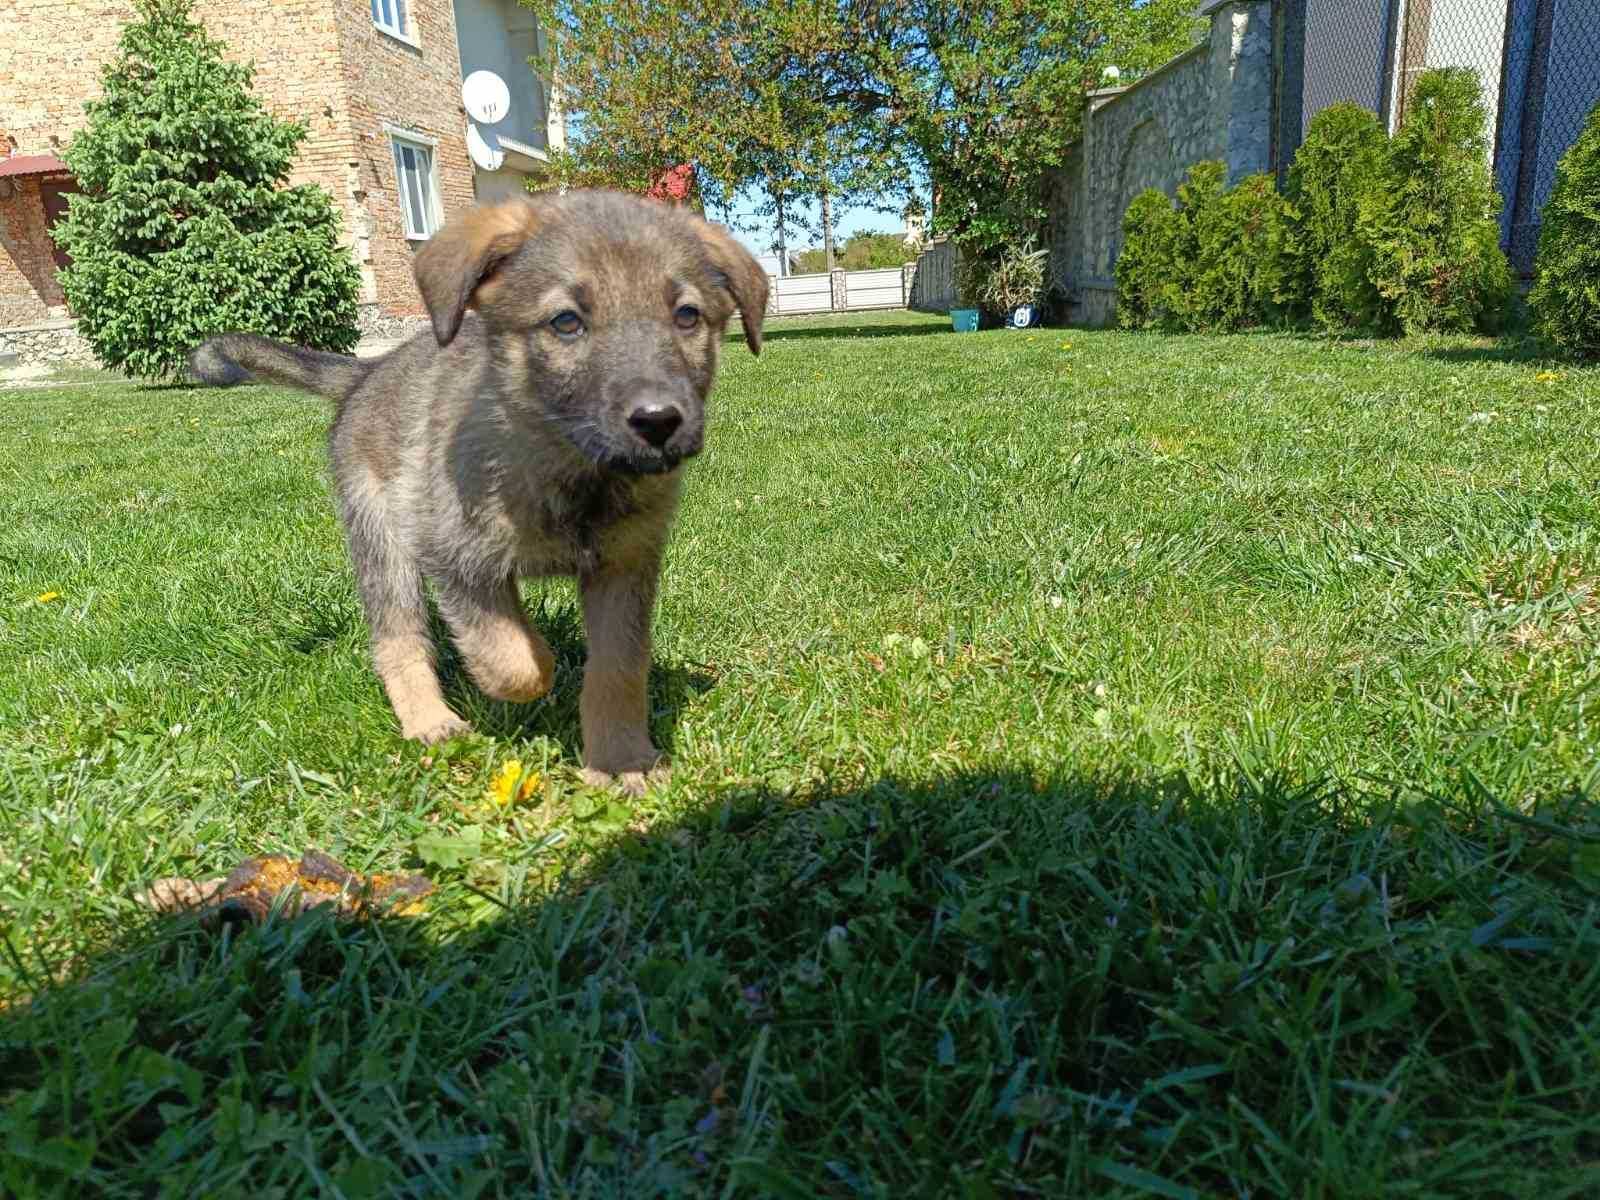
964	320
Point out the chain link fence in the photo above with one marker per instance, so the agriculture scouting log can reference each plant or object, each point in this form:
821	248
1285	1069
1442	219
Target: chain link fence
1539	61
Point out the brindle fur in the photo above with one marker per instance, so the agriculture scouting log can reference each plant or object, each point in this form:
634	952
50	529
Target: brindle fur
497	448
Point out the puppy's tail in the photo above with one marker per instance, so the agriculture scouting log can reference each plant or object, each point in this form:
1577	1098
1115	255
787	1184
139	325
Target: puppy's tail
239	357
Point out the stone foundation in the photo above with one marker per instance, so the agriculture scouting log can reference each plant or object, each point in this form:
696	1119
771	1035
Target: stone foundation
378	325
49	343
58	343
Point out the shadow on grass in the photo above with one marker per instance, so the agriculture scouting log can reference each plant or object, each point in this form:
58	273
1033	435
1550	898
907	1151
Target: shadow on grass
1511	352
1043	987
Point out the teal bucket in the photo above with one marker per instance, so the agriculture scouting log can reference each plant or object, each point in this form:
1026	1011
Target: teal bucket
964	320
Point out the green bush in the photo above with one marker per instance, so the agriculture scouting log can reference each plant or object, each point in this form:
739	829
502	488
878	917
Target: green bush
1566	296
1215	264
1342	161
1147	266
182	228
1437	261
971	277
1233	273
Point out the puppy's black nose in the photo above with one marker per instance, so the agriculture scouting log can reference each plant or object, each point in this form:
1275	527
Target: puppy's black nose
655	423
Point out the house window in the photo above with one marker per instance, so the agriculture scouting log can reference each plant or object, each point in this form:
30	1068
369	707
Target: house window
419	197
390	16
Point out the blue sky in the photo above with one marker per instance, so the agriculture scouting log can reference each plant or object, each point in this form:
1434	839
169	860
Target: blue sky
846	223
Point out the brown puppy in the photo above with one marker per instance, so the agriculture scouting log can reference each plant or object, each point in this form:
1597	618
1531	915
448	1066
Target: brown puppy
539	437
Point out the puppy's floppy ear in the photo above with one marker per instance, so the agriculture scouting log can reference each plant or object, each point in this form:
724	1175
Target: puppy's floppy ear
462	256
742	275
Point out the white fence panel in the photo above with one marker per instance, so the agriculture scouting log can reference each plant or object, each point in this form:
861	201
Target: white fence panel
880	288
802	294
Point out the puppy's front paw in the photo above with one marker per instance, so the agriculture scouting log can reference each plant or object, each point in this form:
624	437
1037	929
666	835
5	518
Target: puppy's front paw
633	783
441	730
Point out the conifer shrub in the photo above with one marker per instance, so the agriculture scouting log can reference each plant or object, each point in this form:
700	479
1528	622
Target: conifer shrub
1437	262
1566	294
1215	264
182	227
1341	163
1147	265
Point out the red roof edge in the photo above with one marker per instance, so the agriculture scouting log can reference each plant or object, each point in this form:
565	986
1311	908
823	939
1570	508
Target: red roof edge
32	164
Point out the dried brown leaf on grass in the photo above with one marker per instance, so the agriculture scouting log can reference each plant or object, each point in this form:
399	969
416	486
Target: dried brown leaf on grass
252	889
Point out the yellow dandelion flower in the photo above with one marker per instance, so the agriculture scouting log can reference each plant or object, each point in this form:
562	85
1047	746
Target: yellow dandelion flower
511	784
1549	377
46	597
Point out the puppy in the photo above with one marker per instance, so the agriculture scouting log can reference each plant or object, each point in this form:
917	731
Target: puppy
537	431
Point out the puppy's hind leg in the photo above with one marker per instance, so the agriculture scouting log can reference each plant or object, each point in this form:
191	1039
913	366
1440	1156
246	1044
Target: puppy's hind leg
397	613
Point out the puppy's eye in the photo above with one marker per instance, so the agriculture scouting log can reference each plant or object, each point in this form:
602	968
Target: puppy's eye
568	324
687	317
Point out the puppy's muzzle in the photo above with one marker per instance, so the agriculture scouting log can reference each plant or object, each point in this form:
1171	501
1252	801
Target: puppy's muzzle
659	421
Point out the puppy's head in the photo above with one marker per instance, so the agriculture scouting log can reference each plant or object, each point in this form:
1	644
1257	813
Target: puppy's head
603	314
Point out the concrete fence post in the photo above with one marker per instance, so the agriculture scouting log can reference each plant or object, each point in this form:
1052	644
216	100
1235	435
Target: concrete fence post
1242	82
908	279
839	295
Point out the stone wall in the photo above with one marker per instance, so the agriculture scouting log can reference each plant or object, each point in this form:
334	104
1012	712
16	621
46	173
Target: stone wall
1214	102
376	324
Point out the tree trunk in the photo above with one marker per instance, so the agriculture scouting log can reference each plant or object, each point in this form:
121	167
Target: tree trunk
783	238
827	229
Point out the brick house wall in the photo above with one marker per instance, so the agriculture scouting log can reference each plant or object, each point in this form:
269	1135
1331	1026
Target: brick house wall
28	287
416	89
321	62
49	64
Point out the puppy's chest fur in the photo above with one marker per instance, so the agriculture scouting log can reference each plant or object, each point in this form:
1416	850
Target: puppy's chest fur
579	525
569	526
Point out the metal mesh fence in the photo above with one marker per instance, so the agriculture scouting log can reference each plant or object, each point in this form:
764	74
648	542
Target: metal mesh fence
1538	60
1552	83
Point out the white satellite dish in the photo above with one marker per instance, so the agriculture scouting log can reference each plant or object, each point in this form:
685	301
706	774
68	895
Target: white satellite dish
484	150
1114	74
486	97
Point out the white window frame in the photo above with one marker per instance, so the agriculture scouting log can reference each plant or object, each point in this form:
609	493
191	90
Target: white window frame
393	17
418	227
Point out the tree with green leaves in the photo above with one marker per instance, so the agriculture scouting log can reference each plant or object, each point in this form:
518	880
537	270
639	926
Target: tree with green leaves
990	93
862	251
833	100
739	88
648	85
182	227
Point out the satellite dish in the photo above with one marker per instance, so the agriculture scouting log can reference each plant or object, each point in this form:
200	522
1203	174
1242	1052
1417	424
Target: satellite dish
1114	74
486	97
484	150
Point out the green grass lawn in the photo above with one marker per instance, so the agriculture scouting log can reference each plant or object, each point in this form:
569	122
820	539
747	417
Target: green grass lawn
1105	765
